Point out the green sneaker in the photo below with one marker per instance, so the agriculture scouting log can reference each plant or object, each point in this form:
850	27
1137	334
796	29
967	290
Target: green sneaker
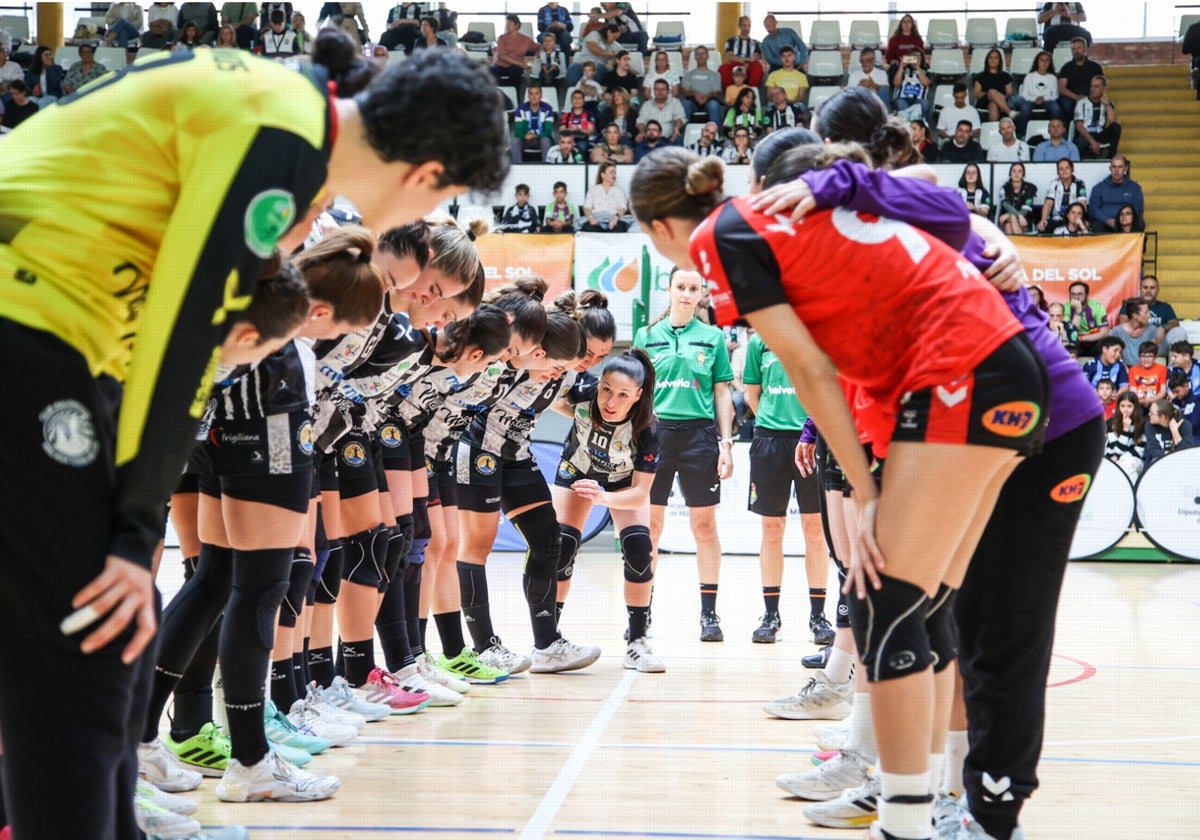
208	751
281	730
290	754
468	667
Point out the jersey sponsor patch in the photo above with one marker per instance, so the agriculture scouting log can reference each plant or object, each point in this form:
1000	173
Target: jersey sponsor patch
485	464
1072	489
391	436
68	433
268	217
306	437
566	470
1012	419
354	454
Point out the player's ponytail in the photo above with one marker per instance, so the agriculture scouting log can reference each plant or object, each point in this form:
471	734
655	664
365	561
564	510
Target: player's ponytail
673	183
522	300
486	328
338	271
335	51
280	302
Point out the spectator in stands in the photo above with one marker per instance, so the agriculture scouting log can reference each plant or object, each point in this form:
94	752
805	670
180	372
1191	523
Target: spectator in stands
555	20
1108	364
1188	403
702	88
204	15
1060	21
226	38
746	114
560	215
10	71
610	149
242	18
740	52
533	125
19	107
578	121
1090	320
962	147
44	78
124	23
793	82
1075	77
1009	148
1166	431
1067	334
1039	89
709	142
600	47
1113	193
623	114
1182	361
783	114
349	17
651	138
740	150
1135	329
1039	297
661	70
993	88
514	50
733	91
1017	198
429	35
1148	377
632	31
1191	46
1061	194
957	112
1126	434
870	76
189	37
566	150
1106	391
666	111
303	40
264	14
622	76
1075	221
588	85
776	39
1097	132
1057	147
549	64
403	27
911	88
606	203
278	41
971	188
162	18
905	41
595	21
1162	318
922	142
1129	220
520	217
83	70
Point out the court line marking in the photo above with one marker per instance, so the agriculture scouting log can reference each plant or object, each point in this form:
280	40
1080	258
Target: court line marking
376	829
548	809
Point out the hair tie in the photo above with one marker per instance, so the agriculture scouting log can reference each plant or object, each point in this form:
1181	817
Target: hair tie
470	234
538	296
364	256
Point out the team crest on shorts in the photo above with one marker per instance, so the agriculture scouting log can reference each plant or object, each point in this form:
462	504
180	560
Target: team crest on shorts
306	438
354	454
566	470
753	493
1012	419
485	464
390	436
69	436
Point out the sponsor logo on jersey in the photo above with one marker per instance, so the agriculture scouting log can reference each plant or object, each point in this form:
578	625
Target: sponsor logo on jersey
68	433
1072	489
780	391
908	418
485	464
1012	419
268	217
354	454
390	436
677	383
237	438
350	350
566	469
306	438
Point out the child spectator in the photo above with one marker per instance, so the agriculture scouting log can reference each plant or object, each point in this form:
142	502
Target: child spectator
1166	432
1148	378
1126	436
520	217
1106	391
1108	364
549	64
559	216
1181	362
1183	398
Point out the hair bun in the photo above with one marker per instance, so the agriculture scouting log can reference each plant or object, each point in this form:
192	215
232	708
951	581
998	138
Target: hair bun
706	175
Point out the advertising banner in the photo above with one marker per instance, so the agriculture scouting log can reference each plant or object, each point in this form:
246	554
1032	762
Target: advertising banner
507	256
1111	265
615	264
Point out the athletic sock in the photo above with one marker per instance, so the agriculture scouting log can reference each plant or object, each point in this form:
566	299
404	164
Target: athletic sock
840	666
937	764
816	601
539	595
905	805
957	747
558	609
449	627
708	597
639	620
861	741
320	666
300	666
360	660
472	581
771	599
392	627
423	624
245	719
412	607
283	684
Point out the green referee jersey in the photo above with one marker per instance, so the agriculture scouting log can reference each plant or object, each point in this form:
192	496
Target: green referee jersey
778	408
135	217
688	362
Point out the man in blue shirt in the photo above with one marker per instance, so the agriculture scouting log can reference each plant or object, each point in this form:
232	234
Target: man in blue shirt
778	38
554	18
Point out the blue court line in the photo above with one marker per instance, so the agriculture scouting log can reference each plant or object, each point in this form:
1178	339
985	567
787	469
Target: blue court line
678	834
378	829
1140	761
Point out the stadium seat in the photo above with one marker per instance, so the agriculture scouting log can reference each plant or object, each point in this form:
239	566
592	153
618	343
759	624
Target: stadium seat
1037	128
692	132
825	35
550	97
819	93
1021	31
485	27
943	96
864	33
396	56
510	93
1022	62
1062	55
977	61
111	57
947	63
527	29
797	25
15	25
670	29
468	213
825	67
981	33
942	32
674	58
989	135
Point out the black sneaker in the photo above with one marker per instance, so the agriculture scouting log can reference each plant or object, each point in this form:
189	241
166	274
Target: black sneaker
768	629
817	660
710	628
823	633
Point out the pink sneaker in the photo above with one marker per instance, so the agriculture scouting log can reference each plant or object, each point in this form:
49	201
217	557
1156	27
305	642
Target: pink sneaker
6	833
383	687
821	756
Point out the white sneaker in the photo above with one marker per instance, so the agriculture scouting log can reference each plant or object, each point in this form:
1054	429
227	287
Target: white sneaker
855	808
820	699
827	781
160	822
173	802
273	779
498	656
639	657
439	695
159	766
229	832
831	736
428	668
950	815
312	717
562	656
340	694
329	712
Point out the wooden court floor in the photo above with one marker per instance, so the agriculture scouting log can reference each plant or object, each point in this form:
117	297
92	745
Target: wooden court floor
608	753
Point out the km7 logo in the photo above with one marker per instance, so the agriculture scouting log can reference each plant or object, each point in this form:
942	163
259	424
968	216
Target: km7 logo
1012	419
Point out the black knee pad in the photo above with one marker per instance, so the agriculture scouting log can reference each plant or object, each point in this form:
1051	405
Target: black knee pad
420	515
330	583
261	579
571	538
942	628
300	577
636	549
405	527
364	556
889	628
396	557
539	528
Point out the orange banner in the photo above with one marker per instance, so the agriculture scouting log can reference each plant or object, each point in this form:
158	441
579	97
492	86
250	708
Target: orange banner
507	256
1111	265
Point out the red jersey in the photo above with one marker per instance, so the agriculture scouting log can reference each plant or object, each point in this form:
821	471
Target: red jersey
874	425
893	308
1147	382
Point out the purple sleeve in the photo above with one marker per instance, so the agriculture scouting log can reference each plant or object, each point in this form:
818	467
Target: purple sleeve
938	211
809	433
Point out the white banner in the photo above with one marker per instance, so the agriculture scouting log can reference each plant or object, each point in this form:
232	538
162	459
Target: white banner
738	528
613	264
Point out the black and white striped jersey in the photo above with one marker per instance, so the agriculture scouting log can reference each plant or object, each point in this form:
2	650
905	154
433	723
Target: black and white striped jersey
459	408
278	384
606	453
505	429
337	356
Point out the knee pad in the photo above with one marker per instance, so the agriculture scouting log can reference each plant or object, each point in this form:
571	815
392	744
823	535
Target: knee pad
420	515
260	582
364	556
843	606
571	538
539	528
298	581
889	628
405	527
396	557
330	583
942	628
189	567
636	550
